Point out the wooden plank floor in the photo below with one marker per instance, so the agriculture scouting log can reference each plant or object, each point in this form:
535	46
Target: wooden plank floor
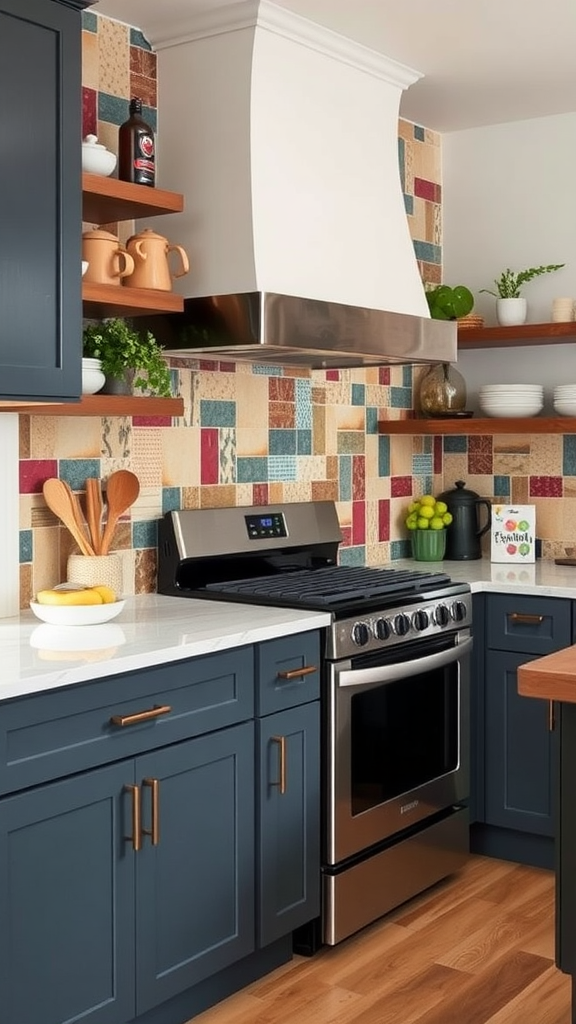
476	949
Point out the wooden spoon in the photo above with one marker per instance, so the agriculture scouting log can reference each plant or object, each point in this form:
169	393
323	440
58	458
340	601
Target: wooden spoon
94	512
122	490
57	497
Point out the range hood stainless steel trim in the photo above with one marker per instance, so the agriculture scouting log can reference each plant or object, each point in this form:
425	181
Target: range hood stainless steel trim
268	327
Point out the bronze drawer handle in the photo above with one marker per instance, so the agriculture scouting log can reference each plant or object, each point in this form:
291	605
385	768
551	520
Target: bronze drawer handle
551	716
533	620
281	741
154	830
136	837
141	716
298	673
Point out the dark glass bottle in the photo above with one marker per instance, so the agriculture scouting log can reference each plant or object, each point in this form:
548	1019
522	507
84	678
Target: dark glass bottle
136	148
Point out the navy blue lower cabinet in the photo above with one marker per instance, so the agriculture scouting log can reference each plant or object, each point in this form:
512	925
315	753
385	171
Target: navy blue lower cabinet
67	901
520	751
99	927
289	821
195	886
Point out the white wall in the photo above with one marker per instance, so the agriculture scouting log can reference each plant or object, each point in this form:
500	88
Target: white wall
509	200
9	509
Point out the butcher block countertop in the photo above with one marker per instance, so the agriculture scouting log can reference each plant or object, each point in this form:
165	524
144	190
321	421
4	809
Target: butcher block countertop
552	677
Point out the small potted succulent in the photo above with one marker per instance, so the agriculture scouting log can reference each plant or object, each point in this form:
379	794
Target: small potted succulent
131	360
511	307
427	519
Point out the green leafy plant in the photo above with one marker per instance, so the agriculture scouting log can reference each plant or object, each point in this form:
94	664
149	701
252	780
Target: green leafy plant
509	284
447	303
122	348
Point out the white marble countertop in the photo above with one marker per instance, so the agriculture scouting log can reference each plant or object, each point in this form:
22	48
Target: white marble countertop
540	577
150	630
153	630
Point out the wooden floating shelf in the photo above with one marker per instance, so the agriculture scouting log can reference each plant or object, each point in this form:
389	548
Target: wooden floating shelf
480	425
105	200
509	337
104	300
100	405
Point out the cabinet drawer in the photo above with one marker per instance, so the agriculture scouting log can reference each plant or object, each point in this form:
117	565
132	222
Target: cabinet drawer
57	733
288	672
531	625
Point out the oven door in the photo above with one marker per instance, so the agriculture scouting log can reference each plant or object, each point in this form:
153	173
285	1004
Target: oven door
397	740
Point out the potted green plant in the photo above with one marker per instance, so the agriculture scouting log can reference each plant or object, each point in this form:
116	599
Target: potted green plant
131	359
511	307
447	303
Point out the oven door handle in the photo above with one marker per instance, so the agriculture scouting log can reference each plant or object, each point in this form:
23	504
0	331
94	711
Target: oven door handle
380	674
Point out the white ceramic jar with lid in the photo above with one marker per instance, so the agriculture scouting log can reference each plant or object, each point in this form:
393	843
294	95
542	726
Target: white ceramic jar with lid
96	159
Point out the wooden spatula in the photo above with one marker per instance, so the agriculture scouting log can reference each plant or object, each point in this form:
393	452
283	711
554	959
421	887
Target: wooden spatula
57	497
94	507
122	490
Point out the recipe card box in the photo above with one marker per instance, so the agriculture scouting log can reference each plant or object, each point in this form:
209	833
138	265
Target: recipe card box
513	533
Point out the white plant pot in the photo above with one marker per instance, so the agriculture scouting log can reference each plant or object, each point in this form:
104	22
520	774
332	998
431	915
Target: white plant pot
511	312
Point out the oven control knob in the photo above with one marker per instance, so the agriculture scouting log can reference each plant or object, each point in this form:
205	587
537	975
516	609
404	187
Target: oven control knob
458	611
401	624
442	615
360	634
420	620
382	629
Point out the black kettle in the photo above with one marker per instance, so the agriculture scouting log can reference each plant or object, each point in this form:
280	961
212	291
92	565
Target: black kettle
464	533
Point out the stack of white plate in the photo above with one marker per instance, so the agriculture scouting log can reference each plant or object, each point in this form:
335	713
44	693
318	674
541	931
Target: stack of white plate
511	399
565	399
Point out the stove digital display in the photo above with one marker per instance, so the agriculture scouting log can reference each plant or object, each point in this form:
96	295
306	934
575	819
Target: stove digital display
266	525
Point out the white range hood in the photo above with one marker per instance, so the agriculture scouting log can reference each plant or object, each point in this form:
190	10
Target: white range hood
283	137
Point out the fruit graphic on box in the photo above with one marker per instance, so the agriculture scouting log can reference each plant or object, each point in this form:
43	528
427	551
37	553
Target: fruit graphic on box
513	533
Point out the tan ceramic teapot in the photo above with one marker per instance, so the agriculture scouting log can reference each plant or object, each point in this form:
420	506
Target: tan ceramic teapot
152	269
108	261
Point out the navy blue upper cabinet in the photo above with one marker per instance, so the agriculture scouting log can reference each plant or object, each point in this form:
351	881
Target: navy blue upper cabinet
40	199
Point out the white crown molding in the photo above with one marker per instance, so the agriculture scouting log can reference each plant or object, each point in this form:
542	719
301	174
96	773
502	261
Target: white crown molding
332	44
212	21
266	15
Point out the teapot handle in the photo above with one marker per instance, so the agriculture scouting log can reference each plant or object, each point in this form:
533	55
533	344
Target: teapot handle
483	529
121	256
184	259
140	251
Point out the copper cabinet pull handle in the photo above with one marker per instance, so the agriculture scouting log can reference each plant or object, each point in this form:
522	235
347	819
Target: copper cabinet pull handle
154	830
533	619
281	741
551	716
136	837
297	673
141	716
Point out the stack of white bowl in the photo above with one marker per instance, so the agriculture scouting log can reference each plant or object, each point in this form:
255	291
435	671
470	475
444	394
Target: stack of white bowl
511	399
565	399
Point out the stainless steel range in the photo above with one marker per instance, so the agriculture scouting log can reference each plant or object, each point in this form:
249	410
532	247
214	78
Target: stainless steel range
395	697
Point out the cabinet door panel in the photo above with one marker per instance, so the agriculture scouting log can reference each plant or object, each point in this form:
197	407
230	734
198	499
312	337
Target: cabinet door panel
289	822
66	884
520	751
279	663
195	889
531	625
40	209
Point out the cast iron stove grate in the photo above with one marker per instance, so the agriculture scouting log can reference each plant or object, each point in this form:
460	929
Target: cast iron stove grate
328	587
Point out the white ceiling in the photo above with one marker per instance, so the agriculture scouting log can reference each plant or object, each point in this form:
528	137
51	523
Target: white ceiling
483	61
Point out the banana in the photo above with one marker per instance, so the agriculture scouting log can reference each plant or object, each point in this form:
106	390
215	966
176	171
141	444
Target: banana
106	593
84	596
